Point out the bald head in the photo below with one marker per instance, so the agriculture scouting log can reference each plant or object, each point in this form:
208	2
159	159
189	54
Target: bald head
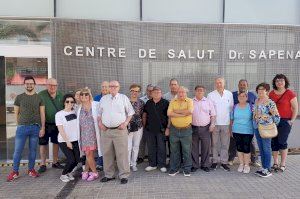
51	86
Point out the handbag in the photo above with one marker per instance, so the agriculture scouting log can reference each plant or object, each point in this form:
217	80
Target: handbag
268	131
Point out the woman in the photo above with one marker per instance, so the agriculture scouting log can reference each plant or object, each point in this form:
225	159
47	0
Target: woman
265	113
242	130
77	99
287	106
135	126
89	136
66	121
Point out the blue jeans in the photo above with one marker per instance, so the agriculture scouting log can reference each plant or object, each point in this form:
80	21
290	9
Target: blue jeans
264	145
23	132
99	161
181	137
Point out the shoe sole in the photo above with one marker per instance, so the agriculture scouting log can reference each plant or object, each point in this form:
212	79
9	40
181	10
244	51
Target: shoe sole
174	174
266	176
186	175
151	169
12	179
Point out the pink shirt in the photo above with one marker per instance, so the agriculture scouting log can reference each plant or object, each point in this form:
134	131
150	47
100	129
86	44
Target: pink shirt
203	110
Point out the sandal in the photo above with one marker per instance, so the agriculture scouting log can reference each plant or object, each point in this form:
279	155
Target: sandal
275	167
282	168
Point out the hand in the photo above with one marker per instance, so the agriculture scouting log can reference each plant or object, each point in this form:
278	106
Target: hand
42	132
211	128
69	145
230	133
123	126
102	127
167	132
290	122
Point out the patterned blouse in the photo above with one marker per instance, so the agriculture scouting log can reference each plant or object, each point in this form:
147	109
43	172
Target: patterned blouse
266	113
136	120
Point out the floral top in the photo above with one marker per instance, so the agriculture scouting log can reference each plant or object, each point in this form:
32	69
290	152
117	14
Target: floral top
266	113
136	120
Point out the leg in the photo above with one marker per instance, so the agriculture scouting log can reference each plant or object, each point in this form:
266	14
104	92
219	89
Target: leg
33	143
137	136
266	142
253	152
152	148
161	150
216	144
143	144
175	153
130	140
225	138
186	143
232	149
283	134
195	147
70	158
108	154
90	158
20	140
205	138
238	141
247	140
55	153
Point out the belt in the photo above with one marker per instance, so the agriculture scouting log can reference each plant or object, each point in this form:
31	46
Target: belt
180	128
112	127
200	126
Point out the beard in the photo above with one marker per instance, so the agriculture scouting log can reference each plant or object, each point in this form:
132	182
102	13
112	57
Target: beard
30	89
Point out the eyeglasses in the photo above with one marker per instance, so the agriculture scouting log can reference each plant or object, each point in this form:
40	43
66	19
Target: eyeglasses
111	86
67	102
279	80
54	85
134	91
84	94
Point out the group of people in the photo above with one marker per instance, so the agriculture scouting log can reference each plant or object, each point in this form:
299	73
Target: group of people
116	129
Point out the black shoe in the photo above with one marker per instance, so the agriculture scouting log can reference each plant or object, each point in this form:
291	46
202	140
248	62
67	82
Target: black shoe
194	169
265	173
106	179
206	169
57	165
214	166
173	173
124	180
42	169
140	160
186	173
225	167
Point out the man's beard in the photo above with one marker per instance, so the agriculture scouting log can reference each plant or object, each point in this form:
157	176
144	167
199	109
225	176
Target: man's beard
29	89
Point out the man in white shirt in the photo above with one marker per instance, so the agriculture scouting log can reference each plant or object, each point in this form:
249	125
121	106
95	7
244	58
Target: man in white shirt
223	103
115	112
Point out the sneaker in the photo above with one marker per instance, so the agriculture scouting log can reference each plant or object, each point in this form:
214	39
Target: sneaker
70	176
140	160
246	169
173	173
186	173
225	167
134	168
64	178
206	169
214	166
240	168
92	176
84	175
258	172
33	173
99	168
163	169
42	169
12	176
230	163
149	168
57	165
265	173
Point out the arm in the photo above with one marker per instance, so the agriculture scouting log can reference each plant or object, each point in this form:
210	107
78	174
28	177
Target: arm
274	112
64	136
183	112
144	119
17	112
43	120
294	104
124	124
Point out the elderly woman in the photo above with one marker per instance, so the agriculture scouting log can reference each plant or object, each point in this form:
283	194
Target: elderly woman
242	130
135	127
89	135
265	113
286	102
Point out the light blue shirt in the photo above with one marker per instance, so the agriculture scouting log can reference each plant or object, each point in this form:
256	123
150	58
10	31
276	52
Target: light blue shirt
242	120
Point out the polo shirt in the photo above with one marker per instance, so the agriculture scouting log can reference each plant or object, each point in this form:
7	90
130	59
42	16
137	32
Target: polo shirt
203	111
176	104
50	109
223	105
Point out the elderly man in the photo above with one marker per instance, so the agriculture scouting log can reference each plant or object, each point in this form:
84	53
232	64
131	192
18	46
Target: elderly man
243	87
115	112
53	100
223	103
173	85
180	112
204	118
104	91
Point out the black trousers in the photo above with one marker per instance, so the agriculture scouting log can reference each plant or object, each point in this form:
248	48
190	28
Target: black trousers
72	155
232	150
156	149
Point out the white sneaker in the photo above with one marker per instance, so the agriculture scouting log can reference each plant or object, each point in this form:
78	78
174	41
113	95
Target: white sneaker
246	169
230	163
149	168
64	178
241	168
134	168
163	169
70	176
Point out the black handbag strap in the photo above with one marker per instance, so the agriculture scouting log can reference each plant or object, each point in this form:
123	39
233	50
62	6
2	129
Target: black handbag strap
281	96
52	100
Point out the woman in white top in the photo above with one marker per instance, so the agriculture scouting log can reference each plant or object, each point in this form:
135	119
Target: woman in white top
66	121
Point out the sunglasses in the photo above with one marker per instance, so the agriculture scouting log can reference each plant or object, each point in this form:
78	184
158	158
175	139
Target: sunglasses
67	102
84	94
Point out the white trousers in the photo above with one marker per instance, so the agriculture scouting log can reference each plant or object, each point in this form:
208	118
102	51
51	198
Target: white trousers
134	139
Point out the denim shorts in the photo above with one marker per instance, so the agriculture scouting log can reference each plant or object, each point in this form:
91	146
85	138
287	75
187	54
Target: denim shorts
280	141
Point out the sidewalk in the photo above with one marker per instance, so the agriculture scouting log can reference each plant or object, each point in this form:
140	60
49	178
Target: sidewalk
216	184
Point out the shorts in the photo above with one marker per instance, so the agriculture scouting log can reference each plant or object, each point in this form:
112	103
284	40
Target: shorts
51	132
280	141
243	142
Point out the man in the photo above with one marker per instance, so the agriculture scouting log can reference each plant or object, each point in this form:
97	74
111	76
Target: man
143	143
115	112
53	101
173	85
104	91
155	121
30	118
204	118
180	112
243	87
223	103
